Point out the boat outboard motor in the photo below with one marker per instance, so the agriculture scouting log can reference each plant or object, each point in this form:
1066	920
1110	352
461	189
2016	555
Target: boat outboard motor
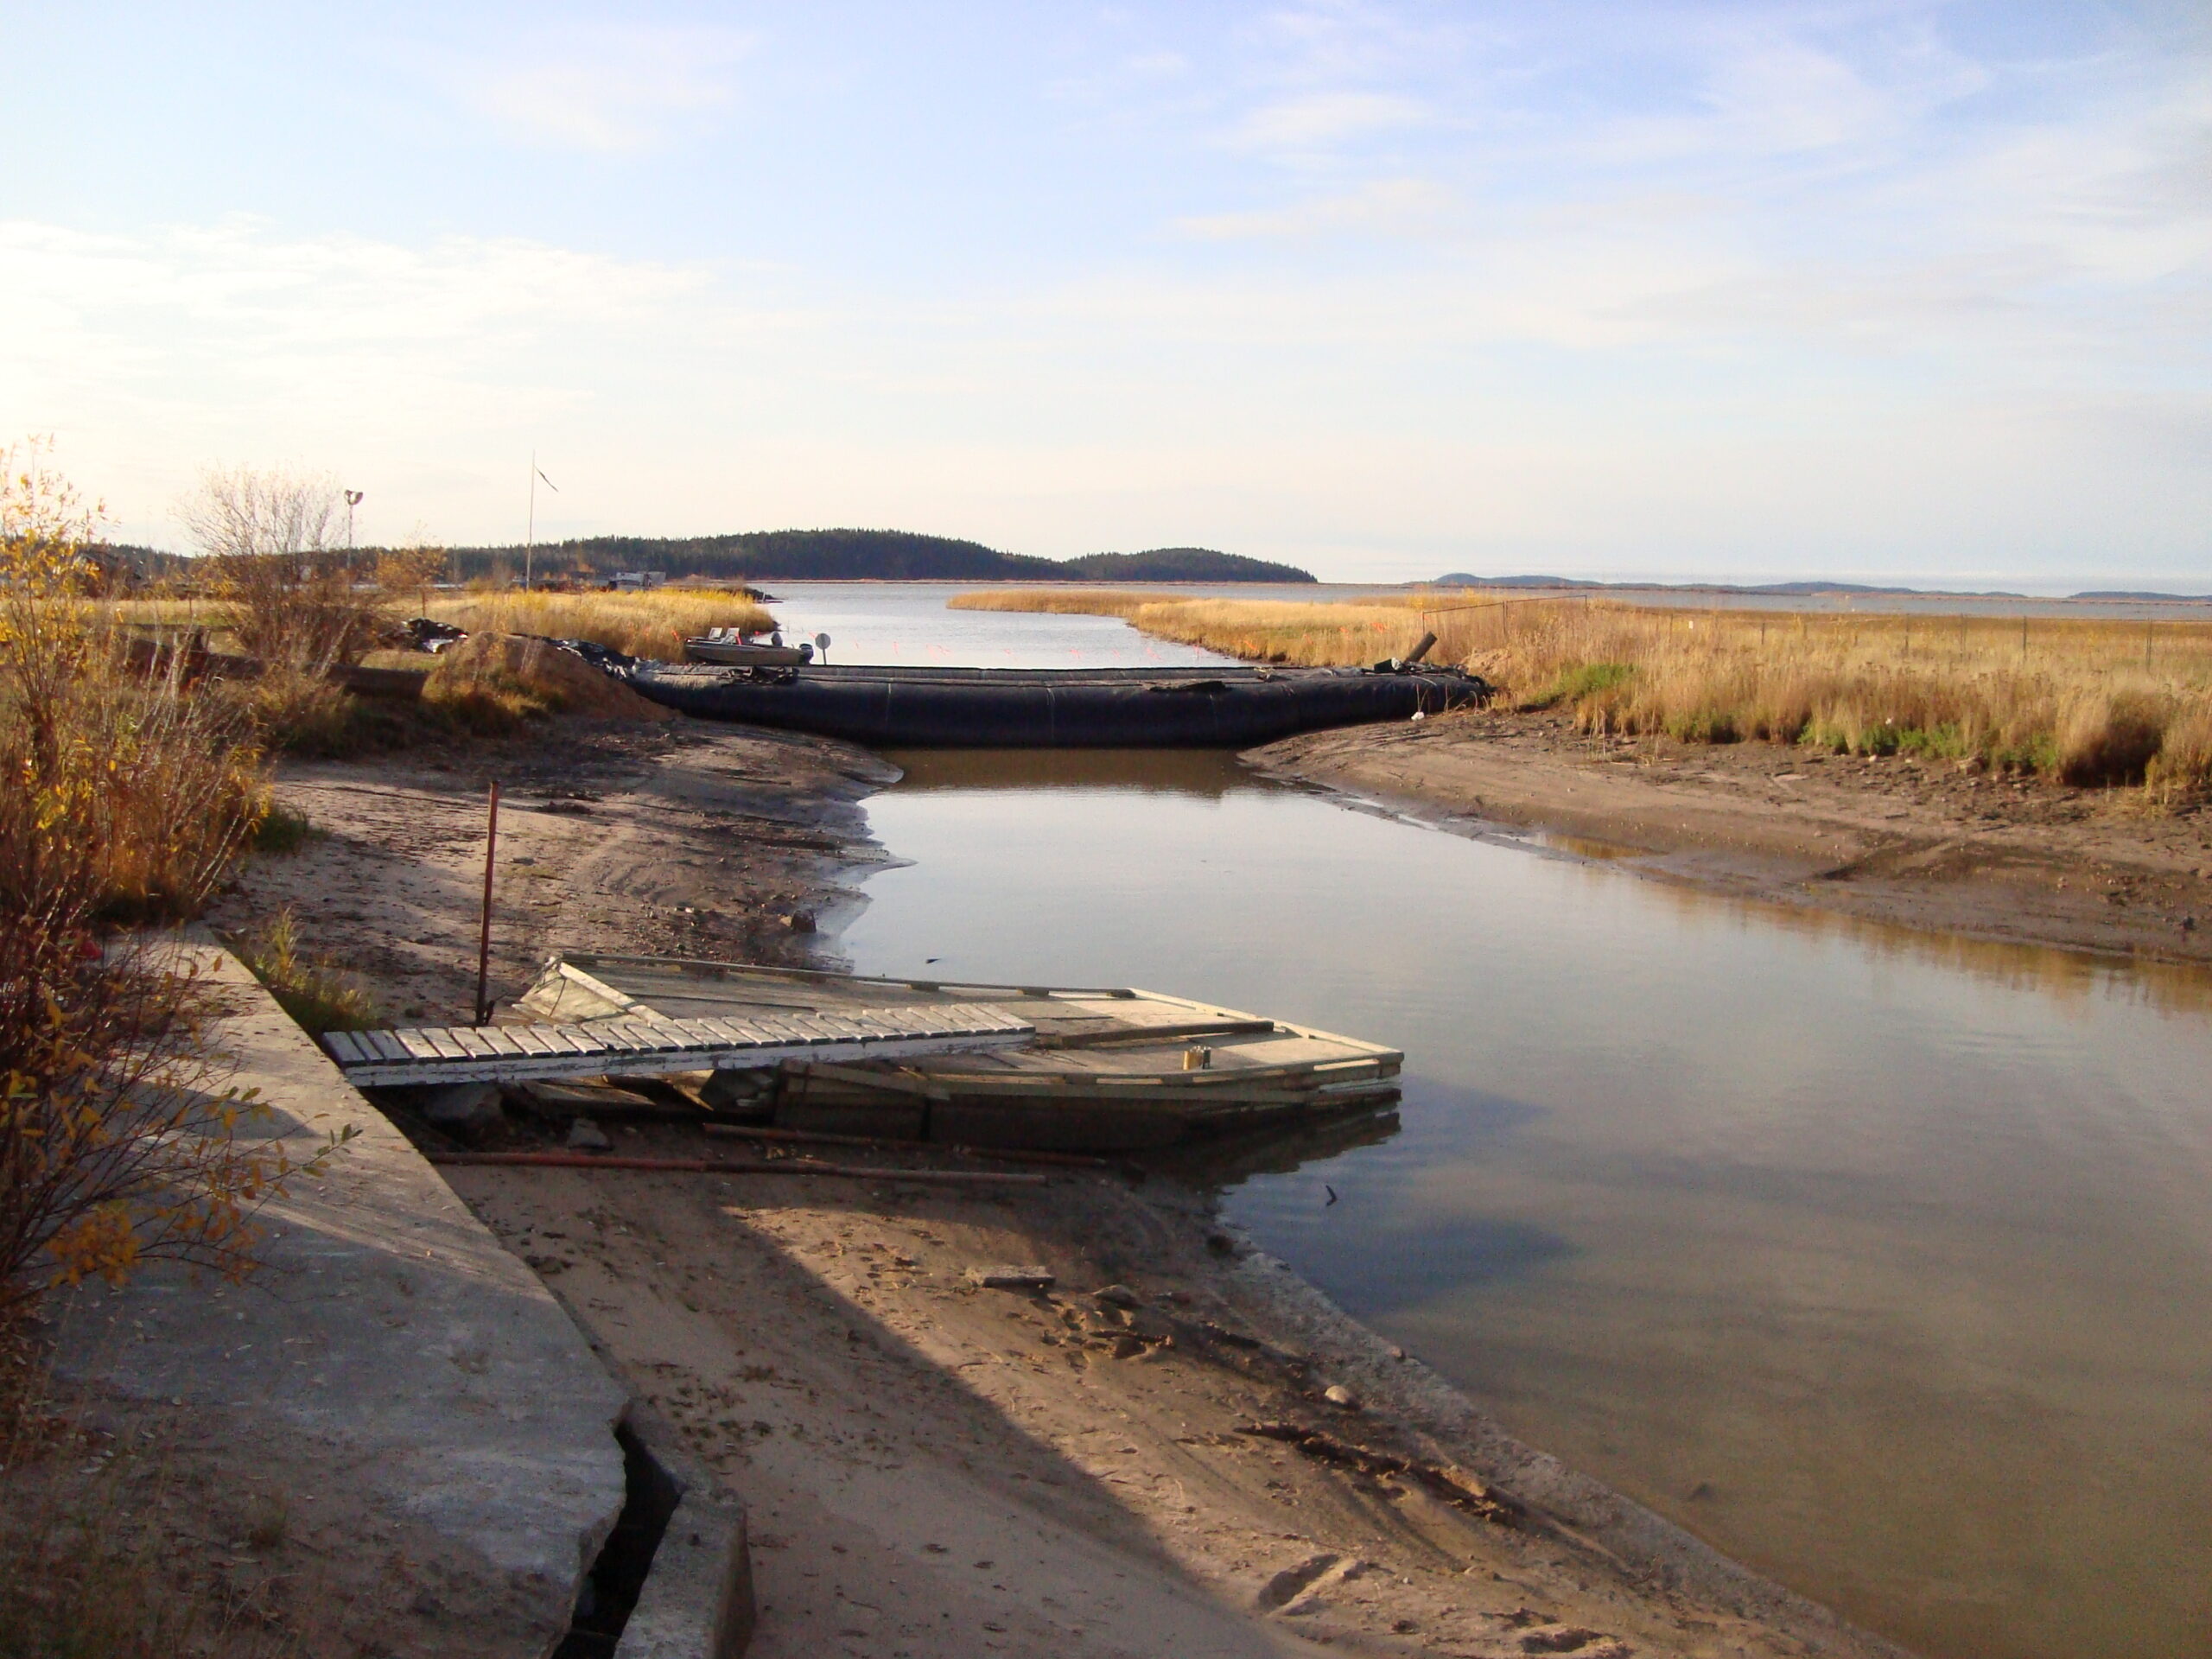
1402	664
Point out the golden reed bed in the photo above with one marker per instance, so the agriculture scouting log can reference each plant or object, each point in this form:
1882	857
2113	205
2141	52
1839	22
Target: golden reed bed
653	624
2091	701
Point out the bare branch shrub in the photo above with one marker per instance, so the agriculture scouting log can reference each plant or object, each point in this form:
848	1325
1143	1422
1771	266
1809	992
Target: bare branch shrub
287	595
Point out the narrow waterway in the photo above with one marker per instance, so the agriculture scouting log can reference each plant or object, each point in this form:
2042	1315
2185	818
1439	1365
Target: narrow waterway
1881	1260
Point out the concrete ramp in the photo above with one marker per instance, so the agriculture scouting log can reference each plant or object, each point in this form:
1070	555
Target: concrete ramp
390	1344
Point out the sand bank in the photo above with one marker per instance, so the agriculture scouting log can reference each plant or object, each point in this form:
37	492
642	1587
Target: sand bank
1930	845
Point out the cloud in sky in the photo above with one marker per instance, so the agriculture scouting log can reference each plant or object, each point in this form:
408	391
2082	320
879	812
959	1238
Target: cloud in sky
1727	290
1406	205
1322	119
608	88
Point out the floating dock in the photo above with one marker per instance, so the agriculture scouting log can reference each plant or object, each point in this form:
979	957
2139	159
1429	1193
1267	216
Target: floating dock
1107	1068
1033	1067
651	1045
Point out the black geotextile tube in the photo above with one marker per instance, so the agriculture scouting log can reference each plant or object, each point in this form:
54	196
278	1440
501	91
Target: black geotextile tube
1226	708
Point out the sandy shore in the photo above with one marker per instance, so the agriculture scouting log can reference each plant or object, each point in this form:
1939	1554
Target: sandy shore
935	1468
1929	845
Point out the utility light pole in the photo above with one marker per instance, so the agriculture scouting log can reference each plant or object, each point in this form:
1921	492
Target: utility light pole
352	500
530	535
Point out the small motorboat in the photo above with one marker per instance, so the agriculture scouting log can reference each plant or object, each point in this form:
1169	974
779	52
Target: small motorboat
734	648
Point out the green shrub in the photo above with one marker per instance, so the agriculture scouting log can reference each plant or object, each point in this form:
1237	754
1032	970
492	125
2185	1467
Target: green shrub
316	994
281	831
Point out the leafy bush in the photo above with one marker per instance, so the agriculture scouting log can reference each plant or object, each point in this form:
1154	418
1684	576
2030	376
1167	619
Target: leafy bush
123	798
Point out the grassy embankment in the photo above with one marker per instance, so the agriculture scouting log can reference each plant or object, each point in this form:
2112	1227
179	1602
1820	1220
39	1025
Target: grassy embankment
467	693
653	624
2086	701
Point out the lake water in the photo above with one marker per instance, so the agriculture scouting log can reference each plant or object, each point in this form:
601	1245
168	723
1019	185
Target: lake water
874	622
1881	1260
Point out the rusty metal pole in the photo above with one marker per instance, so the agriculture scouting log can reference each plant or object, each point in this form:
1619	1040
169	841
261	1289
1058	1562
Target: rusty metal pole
483	937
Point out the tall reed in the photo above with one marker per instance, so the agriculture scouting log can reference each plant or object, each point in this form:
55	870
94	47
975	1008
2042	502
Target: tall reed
2088	701
650	624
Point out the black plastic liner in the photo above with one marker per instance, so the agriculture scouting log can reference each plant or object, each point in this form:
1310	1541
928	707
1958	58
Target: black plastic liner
1045	708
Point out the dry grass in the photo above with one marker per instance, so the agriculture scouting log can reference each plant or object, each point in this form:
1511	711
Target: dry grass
653	624
2086	701
492	683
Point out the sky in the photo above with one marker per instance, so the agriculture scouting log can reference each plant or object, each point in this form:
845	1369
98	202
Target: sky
1915	292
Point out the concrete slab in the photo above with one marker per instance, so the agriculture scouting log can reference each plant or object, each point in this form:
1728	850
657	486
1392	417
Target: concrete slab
698	1602
389	1328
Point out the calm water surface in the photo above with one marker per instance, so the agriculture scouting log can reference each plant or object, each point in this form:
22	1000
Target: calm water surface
906	622
1881	1260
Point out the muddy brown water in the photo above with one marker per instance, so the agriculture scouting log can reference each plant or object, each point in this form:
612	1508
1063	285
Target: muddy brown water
1881	1260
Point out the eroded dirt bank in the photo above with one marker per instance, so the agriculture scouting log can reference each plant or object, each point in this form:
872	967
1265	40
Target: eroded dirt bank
1927	844
686	841
935	1468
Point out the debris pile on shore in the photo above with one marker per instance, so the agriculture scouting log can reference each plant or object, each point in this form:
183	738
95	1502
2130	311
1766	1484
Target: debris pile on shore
536	673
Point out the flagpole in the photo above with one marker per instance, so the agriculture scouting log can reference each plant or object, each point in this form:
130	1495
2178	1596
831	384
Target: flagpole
529	536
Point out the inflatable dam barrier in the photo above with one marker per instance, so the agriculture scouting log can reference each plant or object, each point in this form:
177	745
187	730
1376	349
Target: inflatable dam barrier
1234	708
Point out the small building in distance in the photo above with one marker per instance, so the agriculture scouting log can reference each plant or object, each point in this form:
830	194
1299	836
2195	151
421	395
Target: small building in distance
636	581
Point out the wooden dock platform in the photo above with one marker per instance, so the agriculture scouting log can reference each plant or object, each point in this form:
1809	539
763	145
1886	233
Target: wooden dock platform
1107	1068
645	1044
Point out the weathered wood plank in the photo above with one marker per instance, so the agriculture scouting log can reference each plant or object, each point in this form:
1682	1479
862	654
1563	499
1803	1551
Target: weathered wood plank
462	1054
382	1045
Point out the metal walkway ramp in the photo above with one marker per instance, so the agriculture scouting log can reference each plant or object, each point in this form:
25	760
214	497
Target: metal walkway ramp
647	1047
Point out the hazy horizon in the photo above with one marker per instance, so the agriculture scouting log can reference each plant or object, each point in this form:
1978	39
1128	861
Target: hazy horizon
1886	292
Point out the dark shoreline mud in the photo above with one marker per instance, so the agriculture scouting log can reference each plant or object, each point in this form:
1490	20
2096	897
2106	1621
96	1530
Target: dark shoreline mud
1931	846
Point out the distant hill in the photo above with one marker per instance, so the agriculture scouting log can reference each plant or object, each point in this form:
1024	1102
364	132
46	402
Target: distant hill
797	556
1180	564
859	554
1461	579
2186	599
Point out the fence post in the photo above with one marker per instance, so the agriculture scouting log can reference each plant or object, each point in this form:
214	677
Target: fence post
484	934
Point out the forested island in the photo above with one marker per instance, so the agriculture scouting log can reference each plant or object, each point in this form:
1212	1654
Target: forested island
857	556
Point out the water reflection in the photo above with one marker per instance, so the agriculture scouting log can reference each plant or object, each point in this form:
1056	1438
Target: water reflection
1280	1149
1877	1257
1217	776
1200	772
